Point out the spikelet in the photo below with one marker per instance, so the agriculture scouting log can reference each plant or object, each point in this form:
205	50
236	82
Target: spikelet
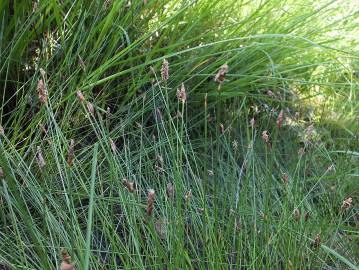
70	153
80	96
181	94
347	203
40	159
129	185
170	190
280	119
66	261
42	91
221	74
150	201
165	70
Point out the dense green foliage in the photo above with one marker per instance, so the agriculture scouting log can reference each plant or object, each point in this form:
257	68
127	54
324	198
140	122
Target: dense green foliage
260	163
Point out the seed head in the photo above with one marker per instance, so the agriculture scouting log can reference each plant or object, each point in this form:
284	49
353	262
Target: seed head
150	201
1	173
90	108
40	158
80	96
296	214
221	74
221	127
309	132
317	241
165	70
113	145
280	119
42	91
265	136
66	261
129	185
71	153
285	178
252	122
181	94
347	203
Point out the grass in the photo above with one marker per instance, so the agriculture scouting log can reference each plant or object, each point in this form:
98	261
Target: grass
238	202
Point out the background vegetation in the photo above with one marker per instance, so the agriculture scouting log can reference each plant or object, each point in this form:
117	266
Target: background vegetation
255	172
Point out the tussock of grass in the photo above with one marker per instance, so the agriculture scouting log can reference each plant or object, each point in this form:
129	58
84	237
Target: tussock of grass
178	134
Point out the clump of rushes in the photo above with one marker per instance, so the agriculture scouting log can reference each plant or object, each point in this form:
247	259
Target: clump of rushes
129	185
170	190
181	94
280	119
71	153
165	70
347	203
221	74
113	145
42	91
40	159
80	96
1	173
66	261
150	201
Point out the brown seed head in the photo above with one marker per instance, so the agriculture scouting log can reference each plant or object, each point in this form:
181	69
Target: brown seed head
317	241
280	119
71	153
181	94
165	70
66	261
129	185
150	201
42	91
80	96
265	136
221	74
252	122
90	108
347	203
285	178
40	159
